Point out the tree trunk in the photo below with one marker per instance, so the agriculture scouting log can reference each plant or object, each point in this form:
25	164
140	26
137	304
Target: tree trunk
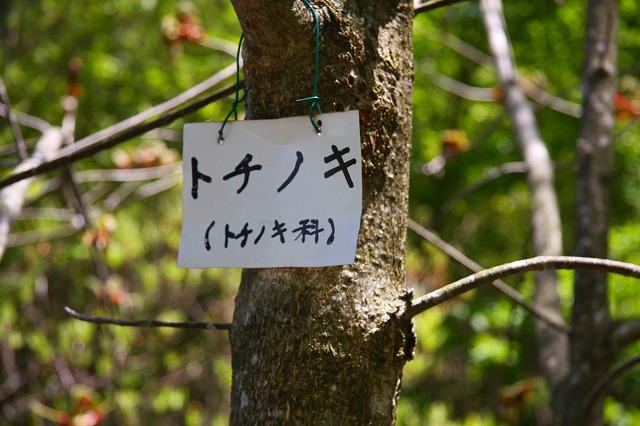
326	346
592	348
553	345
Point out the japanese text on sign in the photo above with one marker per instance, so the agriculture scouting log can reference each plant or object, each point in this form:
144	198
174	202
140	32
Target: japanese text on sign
274	194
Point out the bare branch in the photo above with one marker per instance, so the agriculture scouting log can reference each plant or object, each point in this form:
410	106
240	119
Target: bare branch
491	175
467	50
70	106
12	197
36	236
75	199
433	4
540	263
502	286
160	185
64	372
49	214
72	191
15	127
127	175
536	93
166	106
482	94
119	195
220	44
127	129
626	332
26	119
15	379
601	387
142	191
459	88
165	134
548	100
188	325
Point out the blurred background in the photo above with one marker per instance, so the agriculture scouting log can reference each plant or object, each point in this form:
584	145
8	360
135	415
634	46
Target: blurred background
105	241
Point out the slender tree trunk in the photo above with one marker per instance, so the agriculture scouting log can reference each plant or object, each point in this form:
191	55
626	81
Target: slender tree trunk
553	345
326	346
592	348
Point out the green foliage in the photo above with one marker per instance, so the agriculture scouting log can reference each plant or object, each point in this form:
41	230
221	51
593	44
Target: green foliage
137	376
617	414
475	360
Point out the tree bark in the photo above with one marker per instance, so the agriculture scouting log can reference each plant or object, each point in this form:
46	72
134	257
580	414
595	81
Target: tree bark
326	346
592	348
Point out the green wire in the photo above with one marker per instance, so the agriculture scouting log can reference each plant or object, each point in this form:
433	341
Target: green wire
315	104
238	100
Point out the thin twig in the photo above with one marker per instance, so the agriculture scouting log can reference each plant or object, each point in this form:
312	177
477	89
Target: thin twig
98	142
38	235
48	214
434	4
536	93
27	120
220	44
15	379
127	175
12	198
458	88
157	186
487	94
64	372
626	332
498	284
539	263
141	191
76	201
188	325
604	383
72	191
548	100
15	126
165	106
115	198
489	176
465	49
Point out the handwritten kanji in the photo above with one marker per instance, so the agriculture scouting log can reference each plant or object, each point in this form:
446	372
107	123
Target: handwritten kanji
308	227
196	175
244	234
342	165
280	230
259	235
299	161
243	168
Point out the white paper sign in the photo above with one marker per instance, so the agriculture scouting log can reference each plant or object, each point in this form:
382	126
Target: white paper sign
274	194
